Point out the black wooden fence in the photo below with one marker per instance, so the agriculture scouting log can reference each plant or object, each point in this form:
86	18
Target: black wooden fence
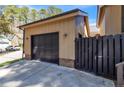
99	55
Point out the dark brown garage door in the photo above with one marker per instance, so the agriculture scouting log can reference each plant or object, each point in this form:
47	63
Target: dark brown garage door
45	47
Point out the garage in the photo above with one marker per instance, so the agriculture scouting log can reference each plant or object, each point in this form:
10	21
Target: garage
52	39
45	47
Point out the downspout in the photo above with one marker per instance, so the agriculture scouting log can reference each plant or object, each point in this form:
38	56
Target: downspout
23	42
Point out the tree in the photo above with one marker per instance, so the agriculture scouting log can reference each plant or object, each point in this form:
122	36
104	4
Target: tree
4	26
10	12
53	10
43	13
33	15
50	11
12	16
24	14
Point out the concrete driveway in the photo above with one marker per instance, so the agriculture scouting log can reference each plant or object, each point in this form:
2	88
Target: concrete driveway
35	73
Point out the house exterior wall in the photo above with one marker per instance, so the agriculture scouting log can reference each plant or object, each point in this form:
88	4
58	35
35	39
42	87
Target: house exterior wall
113	20
66	44
111	23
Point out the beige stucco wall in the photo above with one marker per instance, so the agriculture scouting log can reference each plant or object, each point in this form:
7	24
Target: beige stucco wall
113	20
66	44
111	23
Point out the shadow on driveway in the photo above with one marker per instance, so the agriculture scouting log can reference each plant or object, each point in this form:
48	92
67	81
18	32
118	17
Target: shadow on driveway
35	73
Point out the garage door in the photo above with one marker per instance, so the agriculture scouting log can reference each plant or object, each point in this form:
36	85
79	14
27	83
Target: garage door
45	47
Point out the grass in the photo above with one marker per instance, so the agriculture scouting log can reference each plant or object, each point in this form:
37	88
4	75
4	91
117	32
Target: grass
9	62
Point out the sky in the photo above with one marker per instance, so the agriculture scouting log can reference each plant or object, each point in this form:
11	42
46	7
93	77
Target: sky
91	10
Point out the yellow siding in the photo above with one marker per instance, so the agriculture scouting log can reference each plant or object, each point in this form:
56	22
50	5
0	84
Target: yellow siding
66	44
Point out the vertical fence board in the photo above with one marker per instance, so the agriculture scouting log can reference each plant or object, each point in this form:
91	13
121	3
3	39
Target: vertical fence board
94	55
122	48
123	72
122	51
83	50
90	54
79	50
77	53
86	53
117	49
105	56
100	55
111	56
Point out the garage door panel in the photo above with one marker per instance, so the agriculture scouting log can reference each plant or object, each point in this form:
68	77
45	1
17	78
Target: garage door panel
46	47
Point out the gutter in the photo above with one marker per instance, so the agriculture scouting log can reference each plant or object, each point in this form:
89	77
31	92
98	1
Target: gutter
23	42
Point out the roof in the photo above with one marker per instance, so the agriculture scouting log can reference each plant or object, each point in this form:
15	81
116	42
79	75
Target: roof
52	17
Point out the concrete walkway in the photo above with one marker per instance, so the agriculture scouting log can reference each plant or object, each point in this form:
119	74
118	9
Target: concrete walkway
36	73
11	56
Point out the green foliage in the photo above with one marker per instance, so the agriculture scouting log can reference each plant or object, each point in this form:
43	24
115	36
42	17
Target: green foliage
43	13
53	10
12	14
4	26
25	13
34	15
